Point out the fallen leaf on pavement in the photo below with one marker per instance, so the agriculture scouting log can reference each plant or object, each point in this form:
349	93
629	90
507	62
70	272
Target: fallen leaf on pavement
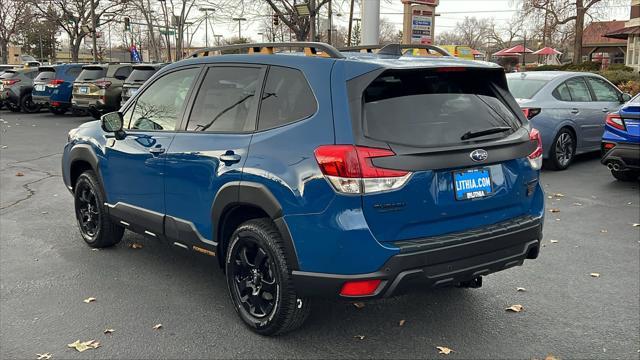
358	305
108	331
157	326
19	173
549	197
558	195
359	337
84	345
515	308
89	299
577	204
553	241
135	246
604	231
95	249
551	357
521	289
444	350
401	323
45	356
554	210
44	212
4	146
595	275
635	225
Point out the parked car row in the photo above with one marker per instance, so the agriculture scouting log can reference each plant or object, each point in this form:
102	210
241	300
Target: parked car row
92	88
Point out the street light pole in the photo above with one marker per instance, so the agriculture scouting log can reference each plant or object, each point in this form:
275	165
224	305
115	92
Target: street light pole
166	26
239	20
206	23
93	30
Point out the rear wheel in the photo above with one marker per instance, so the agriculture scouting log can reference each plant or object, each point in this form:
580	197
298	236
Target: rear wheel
627	175
259	280
28	106
96	227
563	150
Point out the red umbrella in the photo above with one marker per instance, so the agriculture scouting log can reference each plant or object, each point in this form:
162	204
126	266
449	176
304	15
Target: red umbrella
547	51
515	50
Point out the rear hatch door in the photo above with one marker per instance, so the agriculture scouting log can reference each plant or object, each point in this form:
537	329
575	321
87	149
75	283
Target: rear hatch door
45	75
463	138
84	85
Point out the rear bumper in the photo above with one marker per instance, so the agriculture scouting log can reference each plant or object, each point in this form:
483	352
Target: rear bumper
439	261
88	103
625	154
40	99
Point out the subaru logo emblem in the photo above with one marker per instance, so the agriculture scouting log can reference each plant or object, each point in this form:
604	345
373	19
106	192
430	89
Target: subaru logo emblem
479	155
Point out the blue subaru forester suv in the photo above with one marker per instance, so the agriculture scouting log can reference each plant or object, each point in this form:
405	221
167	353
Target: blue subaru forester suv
335	174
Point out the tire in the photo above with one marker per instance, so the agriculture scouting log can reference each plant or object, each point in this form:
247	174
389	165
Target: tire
13	108
27	105
58	111
563	150
627	175
252	284
96	227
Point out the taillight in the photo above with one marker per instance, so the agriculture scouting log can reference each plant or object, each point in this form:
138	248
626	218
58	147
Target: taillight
616	121
350	169
451	69
535	158
103	84
10	82
529	113
360	287
55	83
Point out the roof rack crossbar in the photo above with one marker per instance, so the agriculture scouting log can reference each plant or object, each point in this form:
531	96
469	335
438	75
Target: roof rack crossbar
361	48
310	48
396	49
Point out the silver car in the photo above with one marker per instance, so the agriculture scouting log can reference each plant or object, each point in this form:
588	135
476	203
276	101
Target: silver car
568	108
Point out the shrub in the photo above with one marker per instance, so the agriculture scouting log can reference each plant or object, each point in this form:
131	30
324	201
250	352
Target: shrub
619	67
546	68
618	77
585	66
630	87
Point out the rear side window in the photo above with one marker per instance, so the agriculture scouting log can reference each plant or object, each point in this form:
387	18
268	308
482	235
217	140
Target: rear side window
226	101
562	92
140	75
525	88
90	74
74	71
578	89
46	74
428	108
122	73
8	74
602	90
286	98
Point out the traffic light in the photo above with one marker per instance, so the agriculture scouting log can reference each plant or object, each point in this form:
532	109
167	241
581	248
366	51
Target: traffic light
127	24
276	20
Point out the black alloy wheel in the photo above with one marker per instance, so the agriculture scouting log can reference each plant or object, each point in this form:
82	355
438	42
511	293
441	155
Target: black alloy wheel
87	210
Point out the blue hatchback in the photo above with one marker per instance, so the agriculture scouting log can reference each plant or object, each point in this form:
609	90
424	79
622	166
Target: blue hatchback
52	87
335	174
621	141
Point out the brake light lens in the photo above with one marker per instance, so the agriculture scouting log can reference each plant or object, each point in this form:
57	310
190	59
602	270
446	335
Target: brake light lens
529	113
360	288
535	158
10	82
451	69
350	169
55	83
616	121
103	84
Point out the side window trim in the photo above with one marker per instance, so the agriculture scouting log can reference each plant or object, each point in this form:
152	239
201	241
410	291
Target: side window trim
147	84
198	85
586	84
593	92
315	98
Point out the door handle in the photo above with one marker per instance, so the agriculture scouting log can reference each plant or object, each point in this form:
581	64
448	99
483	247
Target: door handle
575	111
157	151
230	157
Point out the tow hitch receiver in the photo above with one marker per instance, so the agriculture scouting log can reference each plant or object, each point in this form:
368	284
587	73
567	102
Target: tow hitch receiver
473	283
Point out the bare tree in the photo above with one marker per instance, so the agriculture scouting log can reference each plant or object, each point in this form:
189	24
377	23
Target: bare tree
471	32
12	17
147	11
74	17
504	36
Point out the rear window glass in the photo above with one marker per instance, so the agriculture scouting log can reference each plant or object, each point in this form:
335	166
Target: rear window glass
427	108
46	74
89	74
140	75
525	88
286	98
8	74
74	71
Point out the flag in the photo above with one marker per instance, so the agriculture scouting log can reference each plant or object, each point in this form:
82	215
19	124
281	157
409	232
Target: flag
135	55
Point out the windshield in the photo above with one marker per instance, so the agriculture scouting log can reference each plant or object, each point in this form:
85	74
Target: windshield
90	74
431	108
140	75
525	88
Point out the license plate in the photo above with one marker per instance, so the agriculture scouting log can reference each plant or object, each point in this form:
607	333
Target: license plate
83	89
39	87
472	184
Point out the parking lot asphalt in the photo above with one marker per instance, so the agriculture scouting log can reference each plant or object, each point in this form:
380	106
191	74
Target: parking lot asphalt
46	271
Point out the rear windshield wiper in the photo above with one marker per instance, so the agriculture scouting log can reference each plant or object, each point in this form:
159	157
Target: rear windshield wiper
494	130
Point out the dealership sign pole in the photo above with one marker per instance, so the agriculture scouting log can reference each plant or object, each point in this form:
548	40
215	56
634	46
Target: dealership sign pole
419	21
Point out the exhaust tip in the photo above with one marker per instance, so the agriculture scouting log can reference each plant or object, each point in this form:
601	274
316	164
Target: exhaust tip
610	166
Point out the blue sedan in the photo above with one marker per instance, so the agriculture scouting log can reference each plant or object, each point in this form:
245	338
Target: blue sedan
621	141
568	109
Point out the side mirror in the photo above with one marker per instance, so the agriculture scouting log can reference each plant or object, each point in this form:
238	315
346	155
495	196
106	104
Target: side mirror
112	122
625	98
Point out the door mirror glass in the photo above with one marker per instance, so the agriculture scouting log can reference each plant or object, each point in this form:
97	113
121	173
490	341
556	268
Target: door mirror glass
625	98
112	122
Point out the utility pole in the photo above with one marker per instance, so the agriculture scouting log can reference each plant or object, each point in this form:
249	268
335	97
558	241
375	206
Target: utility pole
94	31
206	23
312	20
330	14
370	22
217	39
239	20
350	23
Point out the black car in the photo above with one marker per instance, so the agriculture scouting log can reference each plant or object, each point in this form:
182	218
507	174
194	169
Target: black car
140	74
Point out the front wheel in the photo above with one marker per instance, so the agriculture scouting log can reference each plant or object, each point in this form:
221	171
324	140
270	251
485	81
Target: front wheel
627	175
563	150
95	113
259	280
96	227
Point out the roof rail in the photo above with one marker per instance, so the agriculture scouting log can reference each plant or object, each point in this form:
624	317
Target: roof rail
361	48
310	49
396	49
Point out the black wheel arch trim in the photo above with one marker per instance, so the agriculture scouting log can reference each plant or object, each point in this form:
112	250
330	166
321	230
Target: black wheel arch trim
238	193
85	153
